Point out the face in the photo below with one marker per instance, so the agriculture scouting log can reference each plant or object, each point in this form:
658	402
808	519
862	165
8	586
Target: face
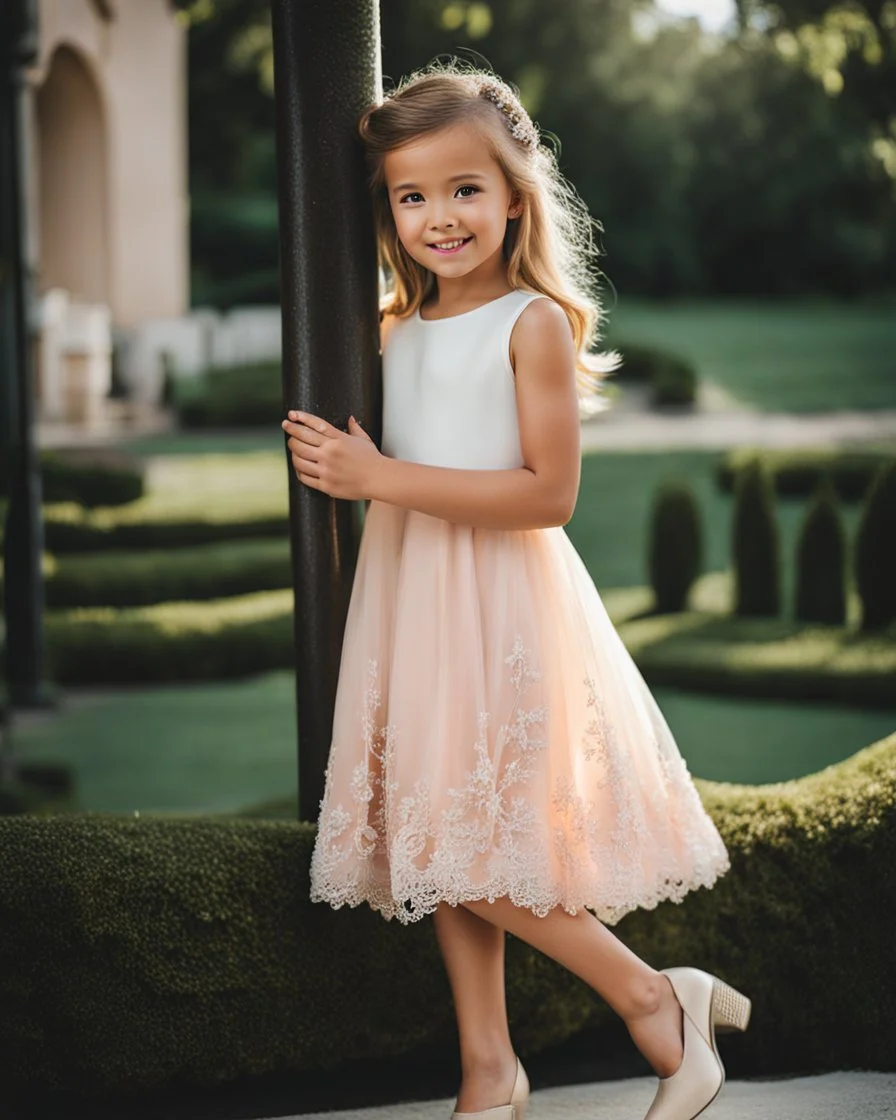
447	187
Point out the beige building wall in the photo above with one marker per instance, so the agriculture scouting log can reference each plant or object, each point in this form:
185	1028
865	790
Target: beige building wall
109	150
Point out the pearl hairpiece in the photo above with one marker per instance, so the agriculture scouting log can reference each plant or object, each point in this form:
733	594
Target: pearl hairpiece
518	123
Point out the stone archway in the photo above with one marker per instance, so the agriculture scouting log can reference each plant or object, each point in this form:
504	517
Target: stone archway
72	158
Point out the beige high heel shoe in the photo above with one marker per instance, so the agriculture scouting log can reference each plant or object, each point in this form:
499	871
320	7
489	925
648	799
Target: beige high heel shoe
708	1005
515	1110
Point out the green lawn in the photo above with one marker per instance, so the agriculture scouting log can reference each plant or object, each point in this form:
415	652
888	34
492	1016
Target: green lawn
224	747
799	356
757	741
208	747
609	527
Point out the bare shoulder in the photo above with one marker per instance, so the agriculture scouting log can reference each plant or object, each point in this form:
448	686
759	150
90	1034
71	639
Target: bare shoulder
541	330
387	322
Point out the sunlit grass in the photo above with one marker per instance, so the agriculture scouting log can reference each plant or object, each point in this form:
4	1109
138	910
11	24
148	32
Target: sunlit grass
801	356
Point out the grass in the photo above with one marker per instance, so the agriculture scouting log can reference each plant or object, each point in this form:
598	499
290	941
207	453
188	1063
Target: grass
609	527
798	356
765	657
214	747
757	741
223	747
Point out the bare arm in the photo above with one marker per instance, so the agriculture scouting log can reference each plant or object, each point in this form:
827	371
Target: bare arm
538	494
541	493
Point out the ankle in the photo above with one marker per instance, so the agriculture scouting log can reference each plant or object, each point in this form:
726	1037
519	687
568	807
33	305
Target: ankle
488	1063
647	996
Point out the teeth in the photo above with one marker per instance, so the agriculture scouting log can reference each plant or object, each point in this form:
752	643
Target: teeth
450	244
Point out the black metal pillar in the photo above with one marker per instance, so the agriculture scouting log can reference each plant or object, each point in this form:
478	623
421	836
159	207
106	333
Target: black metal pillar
23	544
327	69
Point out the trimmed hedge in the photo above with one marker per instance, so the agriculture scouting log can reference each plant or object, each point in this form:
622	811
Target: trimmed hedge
242	396
821	561
755	543
69	528
672	379
875	551
674	548
206	640
91	478
797	472
186	950
767	658
94	478
138	578
244	635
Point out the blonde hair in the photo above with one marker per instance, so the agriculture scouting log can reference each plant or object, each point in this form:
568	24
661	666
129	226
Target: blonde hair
550	248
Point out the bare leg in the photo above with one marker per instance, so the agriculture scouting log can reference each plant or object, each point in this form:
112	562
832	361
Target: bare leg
473	951
641	995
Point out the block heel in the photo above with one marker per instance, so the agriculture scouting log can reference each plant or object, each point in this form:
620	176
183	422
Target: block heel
730	1008
707	1004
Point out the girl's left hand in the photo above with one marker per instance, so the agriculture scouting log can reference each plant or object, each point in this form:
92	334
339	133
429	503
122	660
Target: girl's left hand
341	464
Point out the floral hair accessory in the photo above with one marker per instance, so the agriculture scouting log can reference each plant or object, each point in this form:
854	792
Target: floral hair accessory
519	123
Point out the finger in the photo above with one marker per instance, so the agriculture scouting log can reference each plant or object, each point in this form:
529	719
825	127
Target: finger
308	480
306	438
305	466
305	450
312	421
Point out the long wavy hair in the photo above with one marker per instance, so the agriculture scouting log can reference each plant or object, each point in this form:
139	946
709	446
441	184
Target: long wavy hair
550	248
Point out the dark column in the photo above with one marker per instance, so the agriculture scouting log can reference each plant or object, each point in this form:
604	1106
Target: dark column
23	544
327	68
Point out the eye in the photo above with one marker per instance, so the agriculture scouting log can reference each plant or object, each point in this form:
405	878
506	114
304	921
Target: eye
463	187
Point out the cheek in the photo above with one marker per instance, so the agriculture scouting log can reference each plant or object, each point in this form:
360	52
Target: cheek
405	226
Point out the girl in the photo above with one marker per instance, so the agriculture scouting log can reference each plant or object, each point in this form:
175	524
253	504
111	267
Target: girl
497	760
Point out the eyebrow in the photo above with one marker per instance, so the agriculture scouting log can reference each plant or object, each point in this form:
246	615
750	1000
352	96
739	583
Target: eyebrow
453	179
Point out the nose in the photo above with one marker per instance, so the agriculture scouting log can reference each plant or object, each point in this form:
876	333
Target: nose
441	220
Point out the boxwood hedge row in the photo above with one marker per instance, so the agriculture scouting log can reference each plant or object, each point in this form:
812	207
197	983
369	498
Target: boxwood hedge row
796	472
139	952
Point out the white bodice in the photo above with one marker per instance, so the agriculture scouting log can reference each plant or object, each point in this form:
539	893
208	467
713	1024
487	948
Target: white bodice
449	395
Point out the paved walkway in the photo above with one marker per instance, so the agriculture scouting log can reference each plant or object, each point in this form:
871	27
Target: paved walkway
829	1096
629	425
624	430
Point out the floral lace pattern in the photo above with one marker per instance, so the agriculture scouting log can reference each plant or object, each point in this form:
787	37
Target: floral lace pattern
576	833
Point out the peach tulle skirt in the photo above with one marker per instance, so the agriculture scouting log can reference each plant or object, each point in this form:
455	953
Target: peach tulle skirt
492	736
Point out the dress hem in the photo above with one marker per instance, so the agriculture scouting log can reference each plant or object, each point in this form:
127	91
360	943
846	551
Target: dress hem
409	909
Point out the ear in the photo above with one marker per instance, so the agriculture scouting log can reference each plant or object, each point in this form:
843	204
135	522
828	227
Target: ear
516	207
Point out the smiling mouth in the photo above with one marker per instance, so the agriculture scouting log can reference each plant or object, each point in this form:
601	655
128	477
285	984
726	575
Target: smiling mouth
457	248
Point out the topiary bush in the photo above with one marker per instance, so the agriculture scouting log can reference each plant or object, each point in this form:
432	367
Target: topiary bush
755	546
156	951
204	640
69	528
821	561
675	545
94	478
875	551
140	577
230	397
798	471
672	379
673	383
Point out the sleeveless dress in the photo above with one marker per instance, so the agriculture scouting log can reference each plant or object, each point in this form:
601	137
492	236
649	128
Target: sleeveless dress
491	735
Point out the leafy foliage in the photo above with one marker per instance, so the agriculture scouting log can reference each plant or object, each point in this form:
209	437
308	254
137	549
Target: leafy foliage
755	543
713	165
875	559
821	561
159	952
675	545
